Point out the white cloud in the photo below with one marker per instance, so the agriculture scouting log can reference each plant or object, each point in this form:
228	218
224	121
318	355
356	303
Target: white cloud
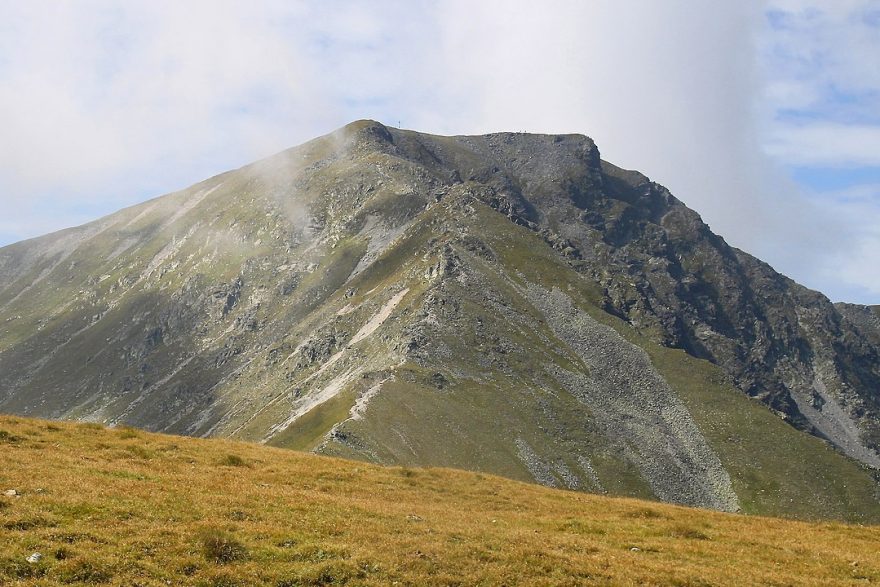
90	93
855	272
829	43
109	103
822	110
826	144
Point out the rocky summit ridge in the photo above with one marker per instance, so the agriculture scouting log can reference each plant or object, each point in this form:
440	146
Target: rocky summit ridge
509	303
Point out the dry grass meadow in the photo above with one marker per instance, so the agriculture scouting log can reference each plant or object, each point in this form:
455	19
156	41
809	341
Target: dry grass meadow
125	507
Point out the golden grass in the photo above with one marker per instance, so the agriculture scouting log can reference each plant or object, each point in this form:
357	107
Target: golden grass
124	507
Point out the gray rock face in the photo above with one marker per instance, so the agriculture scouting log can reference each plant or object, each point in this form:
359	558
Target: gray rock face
637	410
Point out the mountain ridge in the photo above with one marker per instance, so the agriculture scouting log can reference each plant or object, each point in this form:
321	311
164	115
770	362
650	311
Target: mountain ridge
403	298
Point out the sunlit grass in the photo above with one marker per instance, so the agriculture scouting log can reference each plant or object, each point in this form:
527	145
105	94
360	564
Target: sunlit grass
124	507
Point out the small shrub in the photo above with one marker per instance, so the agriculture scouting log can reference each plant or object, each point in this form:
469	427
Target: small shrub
70	538
140	452
126	432
316	553
126	475
90	426
222	580
28	524
681	531
18	568
239	516
61	554
233	461
221	548
8	438
335	573
643	514
84	572
580	527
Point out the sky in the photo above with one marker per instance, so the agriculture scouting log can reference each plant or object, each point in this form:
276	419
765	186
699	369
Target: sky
762	115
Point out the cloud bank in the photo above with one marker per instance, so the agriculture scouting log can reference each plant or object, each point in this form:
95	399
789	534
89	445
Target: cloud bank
105	104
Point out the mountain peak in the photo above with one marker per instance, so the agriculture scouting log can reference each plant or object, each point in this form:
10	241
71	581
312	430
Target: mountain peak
365	127
505	302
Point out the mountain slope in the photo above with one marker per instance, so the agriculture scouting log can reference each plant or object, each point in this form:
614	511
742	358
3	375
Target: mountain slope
124	507
502	303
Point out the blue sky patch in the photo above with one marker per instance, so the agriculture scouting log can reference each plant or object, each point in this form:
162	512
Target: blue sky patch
828	179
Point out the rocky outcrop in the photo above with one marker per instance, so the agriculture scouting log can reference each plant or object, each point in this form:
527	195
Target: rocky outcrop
664	272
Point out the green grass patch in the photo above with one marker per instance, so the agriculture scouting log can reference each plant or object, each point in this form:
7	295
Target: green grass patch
220	547
231	460
310	429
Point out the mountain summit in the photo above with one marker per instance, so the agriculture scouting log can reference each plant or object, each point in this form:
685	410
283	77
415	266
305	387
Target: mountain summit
509	303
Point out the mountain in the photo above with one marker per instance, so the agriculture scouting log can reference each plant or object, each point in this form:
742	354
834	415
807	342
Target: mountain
120	506
507	303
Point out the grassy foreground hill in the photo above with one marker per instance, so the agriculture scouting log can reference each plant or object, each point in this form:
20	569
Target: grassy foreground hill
125	507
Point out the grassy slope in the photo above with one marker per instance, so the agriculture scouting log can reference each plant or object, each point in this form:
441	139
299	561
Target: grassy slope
473	422
775	469
126	507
